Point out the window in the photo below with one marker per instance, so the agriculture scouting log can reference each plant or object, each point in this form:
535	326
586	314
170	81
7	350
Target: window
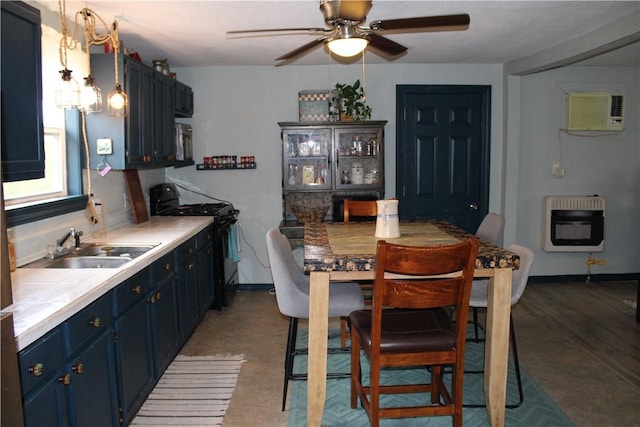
60	191
54	183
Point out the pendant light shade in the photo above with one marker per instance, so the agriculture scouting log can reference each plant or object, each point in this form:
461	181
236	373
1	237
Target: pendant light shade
67	93
117	101
90	96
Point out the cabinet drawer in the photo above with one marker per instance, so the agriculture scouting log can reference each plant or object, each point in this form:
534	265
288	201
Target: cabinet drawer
163	268
186	250
89	322
41	359
204	237
131	290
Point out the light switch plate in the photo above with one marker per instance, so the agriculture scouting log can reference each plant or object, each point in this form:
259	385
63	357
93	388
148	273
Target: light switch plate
104	146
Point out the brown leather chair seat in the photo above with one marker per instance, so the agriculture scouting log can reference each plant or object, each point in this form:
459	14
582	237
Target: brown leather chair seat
404	330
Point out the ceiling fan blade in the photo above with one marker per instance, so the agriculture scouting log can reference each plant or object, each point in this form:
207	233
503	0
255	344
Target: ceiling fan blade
354	10
312	30
386	45
289	56
425	23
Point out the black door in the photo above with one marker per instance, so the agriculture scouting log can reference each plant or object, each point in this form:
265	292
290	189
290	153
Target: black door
443	153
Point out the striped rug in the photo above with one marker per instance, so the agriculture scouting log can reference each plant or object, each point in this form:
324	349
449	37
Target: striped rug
193	391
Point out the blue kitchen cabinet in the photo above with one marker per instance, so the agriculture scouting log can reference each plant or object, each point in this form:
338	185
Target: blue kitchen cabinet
144	138
22	124
46	406
134	358
68	376
164	313
42	376
205	269
164	149
98	367
93	396
187	282
183	100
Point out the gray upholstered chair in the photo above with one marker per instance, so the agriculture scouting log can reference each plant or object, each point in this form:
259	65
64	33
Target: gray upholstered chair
492	229
292	295
518	284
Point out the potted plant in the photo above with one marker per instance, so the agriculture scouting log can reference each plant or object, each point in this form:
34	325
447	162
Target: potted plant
351	100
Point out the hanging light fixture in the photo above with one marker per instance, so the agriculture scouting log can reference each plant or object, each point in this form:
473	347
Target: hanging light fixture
89	98
67	92
117	99
348	43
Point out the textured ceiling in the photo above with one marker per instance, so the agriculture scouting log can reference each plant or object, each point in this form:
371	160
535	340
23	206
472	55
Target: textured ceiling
192	33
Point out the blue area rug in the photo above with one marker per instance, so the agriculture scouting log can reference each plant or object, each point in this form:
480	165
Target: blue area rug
538	408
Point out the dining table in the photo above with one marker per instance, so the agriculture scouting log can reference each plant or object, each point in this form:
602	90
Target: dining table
336	251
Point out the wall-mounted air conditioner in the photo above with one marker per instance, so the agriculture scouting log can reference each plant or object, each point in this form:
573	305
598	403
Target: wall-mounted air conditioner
595	111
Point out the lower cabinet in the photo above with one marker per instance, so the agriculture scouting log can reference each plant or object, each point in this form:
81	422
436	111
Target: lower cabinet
97	368
80	391
134	359
164	314
187	282
93	398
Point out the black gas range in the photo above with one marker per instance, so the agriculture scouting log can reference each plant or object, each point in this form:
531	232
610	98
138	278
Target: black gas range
164	201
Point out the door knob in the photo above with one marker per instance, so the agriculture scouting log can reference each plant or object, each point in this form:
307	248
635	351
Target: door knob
473	206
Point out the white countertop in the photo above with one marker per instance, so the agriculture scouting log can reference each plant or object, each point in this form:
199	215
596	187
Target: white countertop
43	298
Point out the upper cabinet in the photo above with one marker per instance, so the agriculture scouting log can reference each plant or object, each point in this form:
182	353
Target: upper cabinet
145	138
183	100
22	125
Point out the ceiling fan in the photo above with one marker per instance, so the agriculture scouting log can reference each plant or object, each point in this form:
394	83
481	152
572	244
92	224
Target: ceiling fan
346	36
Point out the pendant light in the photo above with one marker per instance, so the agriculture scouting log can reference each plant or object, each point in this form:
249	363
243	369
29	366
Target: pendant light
89	98
117	99
67	92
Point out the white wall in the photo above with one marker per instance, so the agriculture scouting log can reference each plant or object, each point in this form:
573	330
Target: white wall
237	110
607	164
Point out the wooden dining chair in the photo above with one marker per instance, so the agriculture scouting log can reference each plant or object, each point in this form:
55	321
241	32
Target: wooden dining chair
409	326
360	208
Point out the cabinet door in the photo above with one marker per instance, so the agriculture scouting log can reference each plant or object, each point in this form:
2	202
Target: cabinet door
183	100
139	87
188	284
93	397
359	158
22	125
134	358
164	310
164	150
306	159
47	407
205	278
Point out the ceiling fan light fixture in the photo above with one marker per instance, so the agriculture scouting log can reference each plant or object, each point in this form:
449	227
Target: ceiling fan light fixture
348	47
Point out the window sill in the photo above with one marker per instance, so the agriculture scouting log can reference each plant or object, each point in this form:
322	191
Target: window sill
37	211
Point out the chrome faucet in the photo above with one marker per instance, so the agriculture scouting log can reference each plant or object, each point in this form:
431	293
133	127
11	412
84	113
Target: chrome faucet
71	233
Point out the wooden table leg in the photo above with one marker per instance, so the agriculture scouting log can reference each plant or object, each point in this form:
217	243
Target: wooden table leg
317	361
496	357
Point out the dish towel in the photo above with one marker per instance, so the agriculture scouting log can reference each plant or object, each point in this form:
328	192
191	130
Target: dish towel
233	243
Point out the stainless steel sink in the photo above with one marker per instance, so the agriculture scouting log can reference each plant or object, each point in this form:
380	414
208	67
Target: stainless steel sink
96	255
89	262
115	249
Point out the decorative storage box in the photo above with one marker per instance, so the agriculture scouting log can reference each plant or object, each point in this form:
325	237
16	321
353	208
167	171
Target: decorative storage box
313	105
